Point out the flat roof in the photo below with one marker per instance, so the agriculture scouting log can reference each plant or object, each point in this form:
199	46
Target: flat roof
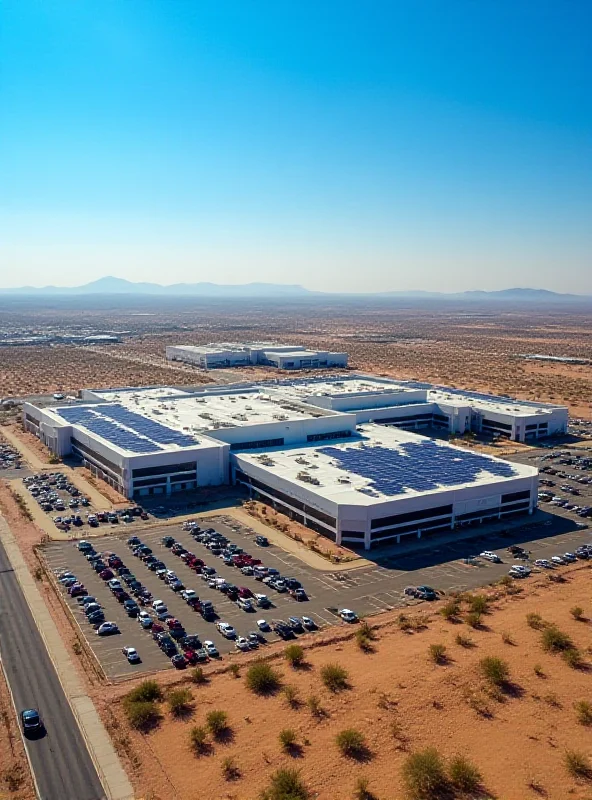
335	387
382	464
139	392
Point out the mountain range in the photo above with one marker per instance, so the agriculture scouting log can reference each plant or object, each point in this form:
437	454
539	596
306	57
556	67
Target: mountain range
111	285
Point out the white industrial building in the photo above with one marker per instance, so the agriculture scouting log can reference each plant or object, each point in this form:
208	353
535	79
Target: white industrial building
270	354
341	456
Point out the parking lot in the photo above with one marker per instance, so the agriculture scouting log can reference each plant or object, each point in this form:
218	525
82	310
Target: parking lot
367	590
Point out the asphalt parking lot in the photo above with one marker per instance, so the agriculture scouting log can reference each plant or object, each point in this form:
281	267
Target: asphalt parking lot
367	590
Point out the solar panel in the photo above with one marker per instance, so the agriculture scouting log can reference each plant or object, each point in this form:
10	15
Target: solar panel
420	466
93	421
147	427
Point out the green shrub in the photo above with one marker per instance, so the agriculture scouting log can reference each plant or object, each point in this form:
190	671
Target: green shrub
351	743
577	612
473	619
230	769
291	694
583	712
438	653
495	670
464	775
142	714
424	775
286	784
535	621
363	641
450	610
554	641
463	641
314	705
179	701
334	677
147	690
577	764
539	671
478	604
287	738
294	654
262	678
362	790
217	723
198	737
573	658
234	670
198	676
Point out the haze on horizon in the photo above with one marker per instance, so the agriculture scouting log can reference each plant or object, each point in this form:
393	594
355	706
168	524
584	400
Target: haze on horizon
340	146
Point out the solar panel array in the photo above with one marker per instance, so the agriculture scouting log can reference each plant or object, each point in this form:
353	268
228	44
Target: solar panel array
107	421
420	466
108	430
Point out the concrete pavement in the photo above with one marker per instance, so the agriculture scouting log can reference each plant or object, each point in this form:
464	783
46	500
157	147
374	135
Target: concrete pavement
39	666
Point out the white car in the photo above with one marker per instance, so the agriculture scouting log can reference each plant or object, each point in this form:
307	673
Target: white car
242	644
347	615
544	563
66	576
245	603
189	594
144	619
160	573
262	600
263	624
211	649
156	604
308	623
489	556
107	628
519	571
569	557
558	560
131	654
226	630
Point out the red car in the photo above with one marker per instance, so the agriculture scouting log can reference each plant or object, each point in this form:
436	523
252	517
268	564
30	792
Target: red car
244	592
190	656
187	557
115	562
77	590
106	574
173	623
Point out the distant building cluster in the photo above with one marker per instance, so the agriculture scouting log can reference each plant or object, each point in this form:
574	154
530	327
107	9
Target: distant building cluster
349	456
269	354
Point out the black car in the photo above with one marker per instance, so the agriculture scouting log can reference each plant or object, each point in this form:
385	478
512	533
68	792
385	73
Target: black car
154	565
96	618
131	608
262	541
99	566
292	583
191	642
168	541
31	721
166	644
133	541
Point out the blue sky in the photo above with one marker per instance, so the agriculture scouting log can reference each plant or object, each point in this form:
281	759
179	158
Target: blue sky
359	146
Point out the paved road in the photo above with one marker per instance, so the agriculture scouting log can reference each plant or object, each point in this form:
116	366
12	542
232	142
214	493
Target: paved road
61	764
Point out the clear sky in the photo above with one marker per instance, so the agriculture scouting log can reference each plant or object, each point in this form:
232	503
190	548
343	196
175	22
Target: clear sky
358	146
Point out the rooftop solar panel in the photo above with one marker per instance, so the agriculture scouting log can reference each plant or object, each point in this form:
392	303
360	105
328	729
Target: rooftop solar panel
419	466
93	421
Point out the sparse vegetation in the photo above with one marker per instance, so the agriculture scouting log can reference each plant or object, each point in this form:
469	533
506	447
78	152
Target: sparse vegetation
463	640
142	714
538	671
234	670
262	678
294	654
577	612
362	790
573	658
478	603
464	775
230	769
334	677
286	784
450	610
315	707
198	676
291	694
438	653
217	723
424	775
554	641
147	690
179	701
583	712
287	738
507	638
578	764
198	737
535	621
494	670
473	619
352	743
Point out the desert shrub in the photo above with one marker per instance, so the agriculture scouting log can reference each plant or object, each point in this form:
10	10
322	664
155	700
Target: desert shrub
287	738
424	775
286	784
535	621
463	641
450	610
234	670
230	769
577	764
262	678
507	638
495	670
363	641
464	775
351	743
147	690
362	790
334	677
478	604
583	712
572	657
198	738
291	694
473	619
367	630
142	714
506	580
179	701
577	612
198	676
438	653
314	705
553	640
539	671
217	723
294	654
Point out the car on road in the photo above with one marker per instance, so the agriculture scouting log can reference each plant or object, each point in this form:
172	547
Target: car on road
31	721
226	630
488	555
131	654
347	615
107	628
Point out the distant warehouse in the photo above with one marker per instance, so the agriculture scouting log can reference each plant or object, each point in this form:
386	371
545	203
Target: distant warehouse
269	354
343	456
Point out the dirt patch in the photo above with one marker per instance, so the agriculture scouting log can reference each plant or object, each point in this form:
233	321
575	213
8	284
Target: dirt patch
401	701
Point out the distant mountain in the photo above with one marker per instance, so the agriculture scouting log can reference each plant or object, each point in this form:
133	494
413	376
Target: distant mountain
119	286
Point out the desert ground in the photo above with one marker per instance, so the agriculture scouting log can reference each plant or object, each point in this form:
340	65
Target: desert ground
471	345
519	733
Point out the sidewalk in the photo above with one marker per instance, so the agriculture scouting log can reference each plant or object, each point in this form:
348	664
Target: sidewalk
112	775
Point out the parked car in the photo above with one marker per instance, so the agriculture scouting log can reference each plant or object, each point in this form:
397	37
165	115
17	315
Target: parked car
131	654
107	628
488	555
347	615
226	630
211	649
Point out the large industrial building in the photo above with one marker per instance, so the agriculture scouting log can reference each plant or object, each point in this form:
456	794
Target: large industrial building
268	354
340	455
